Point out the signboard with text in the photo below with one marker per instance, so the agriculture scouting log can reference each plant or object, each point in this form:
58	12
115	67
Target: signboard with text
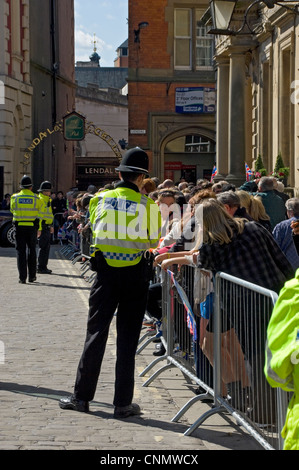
74	126
195	100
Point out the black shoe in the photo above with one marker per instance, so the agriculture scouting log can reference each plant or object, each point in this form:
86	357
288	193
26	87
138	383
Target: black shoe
32	279
72	403
121	412
22	282
160	352
44	271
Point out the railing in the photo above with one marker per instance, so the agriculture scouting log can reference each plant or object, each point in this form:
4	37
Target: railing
223	354
214	332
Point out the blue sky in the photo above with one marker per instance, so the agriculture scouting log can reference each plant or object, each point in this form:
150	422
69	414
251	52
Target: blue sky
107	20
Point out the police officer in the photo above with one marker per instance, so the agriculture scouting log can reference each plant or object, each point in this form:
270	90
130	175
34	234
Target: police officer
26	207
46	228
125	224
282	356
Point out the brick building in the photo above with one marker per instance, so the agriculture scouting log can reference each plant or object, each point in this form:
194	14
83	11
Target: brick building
171	87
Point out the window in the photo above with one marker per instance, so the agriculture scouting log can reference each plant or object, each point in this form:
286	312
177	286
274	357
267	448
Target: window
198	144
193	47
204	44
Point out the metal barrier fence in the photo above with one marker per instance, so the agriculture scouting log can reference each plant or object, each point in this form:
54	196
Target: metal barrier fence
214	331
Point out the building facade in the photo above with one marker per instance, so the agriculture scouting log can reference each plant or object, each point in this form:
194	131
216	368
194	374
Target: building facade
38	89
16	92
100	152
102	98
257	93
52	70
171	87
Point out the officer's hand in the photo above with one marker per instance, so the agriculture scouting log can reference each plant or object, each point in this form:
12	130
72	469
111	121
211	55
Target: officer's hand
39	232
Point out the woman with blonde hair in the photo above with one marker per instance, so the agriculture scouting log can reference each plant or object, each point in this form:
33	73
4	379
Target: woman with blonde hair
255	208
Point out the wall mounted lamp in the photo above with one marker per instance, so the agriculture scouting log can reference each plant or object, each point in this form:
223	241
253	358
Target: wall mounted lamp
142	25
221	12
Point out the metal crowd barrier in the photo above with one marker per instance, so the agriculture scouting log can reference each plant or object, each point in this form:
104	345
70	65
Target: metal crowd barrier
74	253
214	331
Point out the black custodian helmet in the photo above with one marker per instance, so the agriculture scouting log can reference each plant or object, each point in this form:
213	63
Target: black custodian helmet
26	182
134	160
45	186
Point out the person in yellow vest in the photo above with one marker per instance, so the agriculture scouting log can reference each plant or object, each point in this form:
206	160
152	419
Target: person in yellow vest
282	356
26	208
125	226
46	228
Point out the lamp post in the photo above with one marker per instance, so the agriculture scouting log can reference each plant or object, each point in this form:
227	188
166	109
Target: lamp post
222	12
142	25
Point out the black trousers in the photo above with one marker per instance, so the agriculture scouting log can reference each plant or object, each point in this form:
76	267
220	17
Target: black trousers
125	290
26	238
154	300
44	244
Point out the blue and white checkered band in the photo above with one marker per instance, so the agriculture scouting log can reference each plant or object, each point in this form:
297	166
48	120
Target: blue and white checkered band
122	256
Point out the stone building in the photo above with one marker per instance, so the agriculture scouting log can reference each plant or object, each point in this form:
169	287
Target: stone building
101	97
37	80
257	91
16	92
52	70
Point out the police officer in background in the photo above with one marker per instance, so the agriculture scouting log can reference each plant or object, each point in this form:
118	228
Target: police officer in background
26	207
46	228
125	225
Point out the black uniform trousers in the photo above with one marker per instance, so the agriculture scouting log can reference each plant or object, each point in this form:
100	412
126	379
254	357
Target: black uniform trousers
44	244
26	238
125	290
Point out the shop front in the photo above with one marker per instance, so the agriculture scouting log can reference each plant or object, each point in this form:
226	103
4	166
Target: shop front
97	174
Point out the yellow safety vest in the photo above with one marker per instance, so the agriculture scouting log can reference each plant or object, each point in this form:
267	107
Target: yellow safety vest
46	213
124	225
25	207
282	356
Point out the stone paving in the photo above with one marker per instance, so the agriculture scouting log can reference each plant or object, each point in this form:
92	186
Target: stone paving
42	329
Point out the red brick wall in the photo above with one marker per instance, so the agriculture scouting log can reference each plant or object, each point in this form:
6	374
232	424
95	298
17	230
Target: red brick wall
152	80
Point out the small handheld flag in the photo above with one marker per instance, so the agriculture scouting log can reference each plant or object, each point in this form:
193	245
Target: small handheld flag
214	173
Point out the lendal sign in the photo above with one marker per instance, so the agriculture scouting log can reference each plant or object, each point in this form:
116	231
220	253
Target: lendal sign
74	126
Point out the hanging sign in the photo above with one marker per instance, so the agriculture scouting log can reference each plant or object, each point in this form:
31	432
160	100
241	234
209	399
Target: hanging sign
74	126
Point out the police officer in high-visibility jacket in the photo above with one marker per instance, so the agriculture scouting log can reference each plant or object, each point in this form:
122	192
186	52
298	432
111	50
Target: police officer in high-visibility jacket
125	225
282	356
46	228
26	207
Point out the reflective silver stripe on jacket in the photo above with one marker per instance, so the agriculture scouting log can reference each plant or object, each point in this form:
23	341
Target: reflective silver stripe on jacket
272	375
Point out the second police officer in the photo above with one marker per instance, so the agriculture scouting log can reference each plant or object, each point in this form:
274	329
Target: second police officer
45	228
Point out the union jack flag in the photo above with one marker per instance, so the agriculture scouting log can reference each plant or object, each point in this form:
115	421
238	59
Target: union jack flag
214	173
249	172
191	322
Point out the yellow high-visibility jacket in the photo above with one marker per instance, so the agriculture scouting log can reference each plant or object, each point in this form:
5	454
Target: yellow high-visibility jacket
25	207
124	223
282	356
46	213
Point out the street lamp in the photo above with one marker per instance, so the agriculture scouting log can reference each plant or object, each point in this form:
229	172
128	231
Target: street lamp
143	24
222	12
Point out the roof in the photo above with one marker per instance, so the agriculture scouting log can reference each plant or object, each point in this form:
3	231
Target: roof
103	77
